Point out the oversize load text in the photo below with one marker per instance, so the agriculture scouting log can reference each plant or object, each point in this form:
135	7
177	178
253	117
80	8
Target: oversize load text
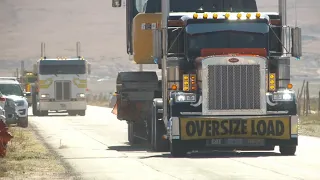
276	128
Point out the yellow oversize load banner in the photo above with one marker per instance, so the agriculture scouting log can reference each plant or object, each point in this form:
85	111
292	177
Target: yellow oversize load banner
267	127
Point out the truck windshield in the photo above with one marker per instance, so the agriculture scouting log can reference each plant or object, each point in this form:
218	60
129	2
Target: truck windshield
227	35
62	67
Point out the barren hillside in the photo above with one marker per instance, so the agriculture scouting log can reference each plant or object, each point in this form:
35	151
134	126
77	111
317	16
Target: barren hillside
101	31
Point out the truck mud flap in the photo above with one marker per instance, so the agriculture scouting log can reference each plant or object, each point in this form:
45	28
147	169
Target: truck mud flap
135	94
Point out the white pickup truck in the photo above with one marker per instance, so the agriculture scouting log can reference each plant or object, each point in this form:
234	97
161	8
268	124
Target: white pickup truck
13	101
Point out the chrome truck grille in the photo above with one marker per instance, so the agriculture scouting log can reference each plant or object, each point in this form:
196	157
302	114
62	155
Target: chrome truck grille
62	90
234	88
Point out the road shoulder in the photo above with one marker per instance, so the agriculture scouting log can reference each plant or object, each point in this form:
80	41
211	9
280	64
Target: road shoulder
28	155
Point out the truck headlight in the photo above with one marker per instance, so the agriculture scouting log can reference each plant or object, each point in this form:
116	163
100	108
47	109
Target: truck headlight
81	95
44	96
282	96
185	97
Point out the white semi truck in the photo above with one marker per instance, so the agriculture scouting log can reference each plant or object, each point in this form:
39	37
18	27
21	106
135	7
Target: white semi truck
61	84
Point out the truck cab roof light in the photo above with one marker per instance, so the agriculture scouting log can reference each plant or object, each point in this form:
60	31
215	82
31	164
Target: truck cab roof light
195	16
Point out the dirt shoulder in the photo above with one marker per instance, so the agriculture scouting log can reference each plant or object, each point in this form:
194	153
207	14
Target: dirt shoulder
310	125
28	156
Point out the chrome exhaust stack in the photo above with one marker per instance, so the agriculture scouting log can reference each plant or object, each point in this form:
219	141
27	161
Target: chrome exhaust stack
282	5
78	50
43	50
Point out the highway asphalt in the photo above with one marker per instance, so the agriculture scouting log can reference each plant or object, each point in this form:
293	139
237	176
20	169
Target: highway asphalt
96	146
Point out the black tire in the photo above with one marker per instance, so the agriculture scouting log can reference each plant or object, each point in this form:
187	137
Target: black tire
82	113
72	113
43	113
23	122
288	150
176	150
131	138
158	130
35	112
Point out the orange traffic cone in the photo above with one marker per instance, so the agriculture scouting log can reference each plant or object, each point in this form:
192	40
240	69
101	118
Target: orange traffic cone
115	109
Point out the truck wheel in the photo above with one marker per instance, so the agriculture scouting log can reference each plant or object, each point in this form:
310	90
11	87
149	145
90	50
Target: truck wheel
72	113
34	105
131	138
34	110
34	102
82	113
44	113
288	150
158	144
36	113
177	151
23	122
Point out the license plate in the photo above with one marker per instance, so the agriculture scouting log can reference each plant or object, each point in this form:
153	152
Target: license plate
256	142
63	105
214	141
235	142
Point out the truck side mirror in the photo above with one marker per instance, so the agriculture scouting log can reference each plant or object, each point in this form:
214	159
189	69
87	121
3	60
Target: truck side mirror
157	45
116	3
296	42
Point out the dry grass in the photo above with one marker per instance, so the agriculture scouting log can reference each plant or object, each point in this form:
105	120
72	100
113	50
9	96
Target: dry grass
27	157
310	125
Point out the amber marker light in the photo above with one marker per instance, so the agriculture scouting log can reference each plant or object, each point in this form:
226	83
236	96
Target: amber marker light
272	82
227	15
239	15
174	87
215	16
195	16
186	84
258	15
193	82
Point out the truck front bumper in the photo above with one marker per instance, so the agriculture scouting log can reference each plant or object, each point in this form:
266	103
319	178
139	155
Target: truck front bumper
229	133
14	114
202	145
60	106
